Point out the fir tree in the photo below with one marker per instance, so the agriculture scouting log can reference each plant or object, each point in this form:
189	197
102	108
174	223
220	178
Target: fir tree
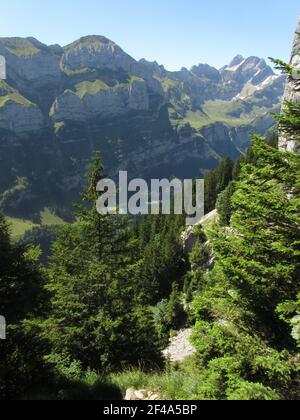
22	302
96	317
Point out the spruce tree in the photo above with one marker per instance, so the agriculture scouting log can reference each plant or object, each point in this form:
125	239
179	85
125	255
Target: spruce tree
247	329
96	317
22	302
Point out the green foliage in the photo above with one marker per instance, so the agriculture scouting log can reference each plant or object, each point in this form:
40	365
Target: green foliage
21	302
95	316
244	348
175	315
289	120
7	93
19	227
174	384
200	254
282	66
162	260
216	182
169	315
116	287
233	113
224	205
90	88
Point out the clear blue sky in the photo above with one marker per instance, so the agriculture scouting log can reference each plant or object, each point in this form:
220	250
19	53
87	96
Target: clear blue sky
176	33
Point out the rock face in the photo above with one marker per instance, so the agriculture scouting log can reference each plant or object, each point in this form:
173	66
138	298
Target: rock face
19	118
18	114
245	77
189	237
180	347
30	62
59	104
107	102
95	52
292	93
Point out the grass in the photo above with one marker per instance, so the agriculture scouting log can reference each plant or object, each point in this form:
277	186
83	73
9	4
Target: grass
233	113
90	88
15	97
19	226
19	46
58	126
178	384
76	72
50	219
168	84
135	79
10	94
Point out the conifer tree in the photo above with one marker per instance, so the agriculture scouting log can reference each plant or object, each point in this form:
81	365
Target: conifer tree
22	300
247	328
95	316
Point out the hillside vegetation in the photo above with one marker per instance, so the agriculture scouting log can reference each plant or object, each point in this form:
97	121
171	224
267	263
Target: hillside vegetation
92	304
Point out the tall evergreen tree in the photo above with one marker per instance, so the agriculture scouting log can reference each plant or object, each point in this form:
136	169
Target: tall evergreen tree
248	318
22	300
95	316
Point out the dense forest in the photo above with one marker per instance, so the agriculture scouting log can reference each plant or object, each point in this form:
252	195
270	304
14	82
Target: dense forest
91	316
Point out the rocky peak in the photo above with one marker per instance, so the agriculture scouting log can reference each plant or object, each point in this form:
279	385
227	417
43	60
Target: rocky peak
30	64
296	45
95	52
245	77
236	61
154	66
90	40
92	95
245	67
204	70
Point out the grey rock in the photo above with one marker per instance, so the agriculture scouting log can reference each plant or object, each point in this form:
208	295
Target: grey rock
95	52
139	120
206	71
20	119
109	103
180	347
29	61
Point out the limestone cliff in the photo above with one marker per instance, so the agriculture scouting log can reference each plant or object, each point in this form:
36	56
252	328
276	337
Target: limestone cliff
60	104
96	99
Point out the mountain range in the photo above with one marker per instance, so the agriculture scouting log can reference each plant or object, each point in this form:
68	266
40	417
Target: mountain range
60	104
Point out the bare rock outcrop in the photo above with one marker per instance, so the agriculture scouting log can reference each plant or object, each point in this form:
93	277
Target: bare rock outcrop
180	347
104	102
95	52
20	118
189	237
30	64
142	395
